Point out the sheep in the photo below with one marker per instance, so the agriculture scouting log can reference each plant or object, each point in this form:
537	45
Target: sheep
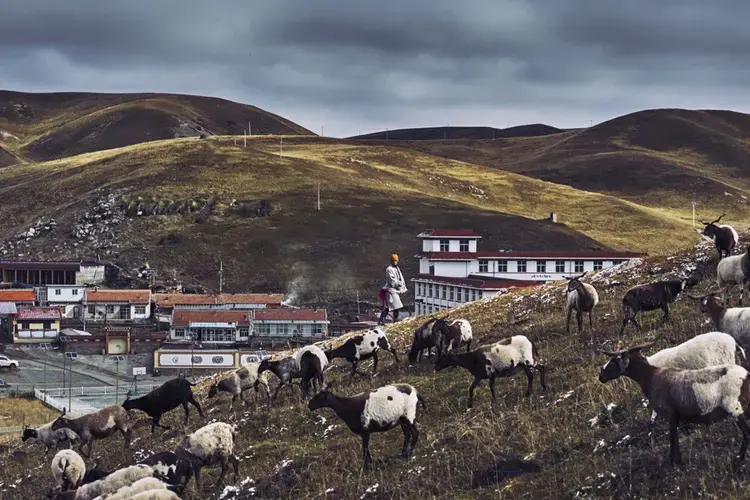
311	361
361	347
94	474
501	359
240	380
48	437
723	236
285	369
110	484
425	337
583	298
731	271
705	395
156	495
377	411
734	320
212	443
453	335
68	469
164	398
649	297
145	484
167	465
98	425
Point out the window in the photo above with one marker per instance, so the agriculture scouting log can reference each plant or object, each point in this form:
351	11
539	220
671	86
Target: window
502	266
463	245
74	291
317	330
473	295
264	329
140	310
484	266
429	290
124	312
179	333
444	245
450	293
92	310
110	309
598	265
466	294
521	266
58	291
559	266
541	266
579	266
244	332
443	292
282	329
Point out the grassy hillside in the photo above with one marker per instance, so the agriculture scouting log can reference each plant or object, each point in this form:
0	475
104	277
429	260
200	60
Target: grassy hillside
48	126
374	200
544	446
662	158
435	133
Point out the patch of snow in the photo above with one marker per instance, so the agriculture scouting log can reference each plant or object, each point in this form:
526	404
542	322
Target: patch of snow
371	489
600	446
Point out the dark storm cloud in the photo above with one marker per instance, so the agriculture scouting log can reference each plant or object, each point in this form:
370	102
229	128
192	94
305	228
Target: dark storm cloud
361	66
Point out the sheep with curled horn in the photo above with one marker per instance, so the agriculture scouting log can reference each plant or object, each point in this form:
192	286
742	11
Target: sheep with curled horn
580	297
732	320
705	395
723	236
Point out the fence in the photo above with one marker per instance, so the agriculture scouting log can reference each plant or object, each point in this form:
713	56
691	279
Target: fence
106	390
76	407
10	430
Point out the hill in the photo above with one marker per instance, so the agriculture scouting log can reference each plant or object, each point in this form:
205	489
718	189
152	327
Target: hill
662	158
38	126
452	133
579	439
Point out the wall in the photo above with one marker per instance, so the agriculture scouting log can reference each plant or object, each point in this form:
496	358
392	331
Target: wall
30	333
67	294
451	269
90	274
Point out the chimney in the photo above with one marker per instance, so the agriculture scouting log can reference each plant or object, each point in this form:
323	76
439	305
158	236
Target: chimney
553	216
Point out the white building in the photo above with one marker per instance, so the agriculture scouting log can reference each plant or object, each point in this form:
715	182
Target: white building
113	306
68	298
453	271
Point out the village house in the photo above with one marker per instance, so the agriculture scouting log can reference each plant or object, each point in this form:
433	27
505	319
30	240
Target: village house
51	272
165	303
217	326
36	324
453	271
69	298
18	296
117	306
286	323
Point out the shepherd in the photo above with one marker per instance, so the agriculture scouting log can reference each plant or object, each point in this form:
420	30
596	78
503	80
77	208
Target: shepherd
391	291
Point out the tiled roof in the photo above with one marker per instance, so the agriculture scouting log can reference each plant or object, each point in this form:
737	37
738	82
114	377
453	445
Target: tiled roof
291	315
183	317
474	281
528	255
26	313
119	296
17	295
448	233
173	299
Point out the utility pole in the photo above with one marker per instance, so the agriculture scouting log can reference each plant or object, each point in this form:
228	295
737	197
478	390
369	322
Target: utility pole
221	276
281	146
386	134
117	380
358	312
45	377
70	385
319	197
249	128
235	140
244	137
693	203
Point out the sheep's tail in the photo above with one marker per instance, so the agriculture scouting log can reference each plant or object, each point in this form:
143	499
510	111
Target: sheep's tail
421	402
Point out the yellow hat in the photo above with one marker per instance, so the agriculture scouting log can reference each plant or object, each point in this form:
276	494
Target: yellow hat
394	256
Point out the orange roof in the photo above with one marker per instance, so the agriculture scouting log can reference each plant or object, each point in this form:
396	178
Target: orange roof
119	296
183	317
193	299
17	295
51	313
291	315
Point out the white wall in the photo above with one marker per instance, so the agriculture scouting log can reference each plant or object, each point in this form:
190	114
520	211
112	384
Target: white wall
90	274
135	316
454	245
68	294
452	269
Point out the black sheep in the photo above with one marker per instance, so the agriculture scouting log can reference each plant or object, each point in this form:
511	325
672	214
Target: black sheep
167	397
173	470
285	369
724	236
649	297
425	337
363	347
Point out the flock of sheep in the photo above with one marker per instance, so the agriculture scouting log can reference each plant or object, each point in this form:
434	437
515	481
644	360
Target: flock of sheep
696	381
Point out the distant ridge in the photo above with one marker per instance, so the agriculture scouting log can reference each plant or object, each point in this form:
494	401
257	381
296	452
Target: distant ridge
440	133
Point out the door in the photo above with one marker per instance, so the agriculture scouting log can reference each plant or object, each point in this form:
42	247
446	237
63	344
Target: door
117	346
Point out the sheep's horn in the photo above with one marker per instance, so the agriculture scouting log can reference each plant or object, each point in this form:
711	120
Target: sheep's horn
611	354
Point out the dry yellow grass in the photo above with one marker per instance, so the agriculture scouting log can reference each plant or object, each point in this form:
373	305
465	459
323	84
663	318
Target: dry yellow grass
17	411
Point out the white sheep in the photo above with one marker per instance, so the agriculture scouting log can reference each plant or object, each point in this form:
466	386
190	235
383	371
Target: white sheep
312	348
156	495
48	437
140	486
68	469
310	362
211	444
110	484
581	298
734	320
729	272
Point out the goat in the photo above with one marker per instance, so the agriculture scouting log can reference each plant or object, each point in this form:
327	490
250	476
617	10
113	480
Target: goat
377	411
240	380
98	425
168	466
734	320
501	359
362	347
723	236
164	398
582	298
649	297
731	271
706	395
285	369
311	361
453	335
425	337
48	437
68	469
212	443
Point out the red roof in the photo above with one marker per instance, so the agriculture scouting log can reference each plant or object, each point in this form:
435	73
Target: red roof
183	317
475	281
16	295
26	313
119	296
291	315
528	255
173	299
455	233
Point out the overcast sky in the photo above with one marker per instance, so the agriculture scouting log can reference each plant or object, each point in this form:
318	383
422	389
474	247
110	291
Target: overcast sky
356	66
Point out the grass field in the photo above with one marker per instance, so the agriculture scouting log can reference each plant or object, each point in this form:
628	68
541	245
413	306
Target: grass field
541	447
24	411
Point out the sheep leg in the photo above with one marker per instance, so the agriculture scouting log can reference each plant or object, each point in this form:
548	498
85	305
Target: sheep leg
529	378
674	444
473	386
405	426
392	350
187	412
366	450
197	406
197	473
591	321
414	437
665	308
567	322
742	422
374	362
155	422
492	390
276	392
635	322
579	320
127	434
542	375
224	468
468	345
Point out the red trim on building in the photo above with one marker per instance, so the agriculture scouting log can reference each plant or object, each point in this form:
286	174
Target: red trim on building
449	233
183	317
291	315
480	282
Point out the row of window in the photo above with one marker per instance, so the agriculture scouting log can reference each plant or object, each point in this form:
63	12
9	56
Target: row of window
422	309
73	291
541	266
122	312
463	245
229	334
448	292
